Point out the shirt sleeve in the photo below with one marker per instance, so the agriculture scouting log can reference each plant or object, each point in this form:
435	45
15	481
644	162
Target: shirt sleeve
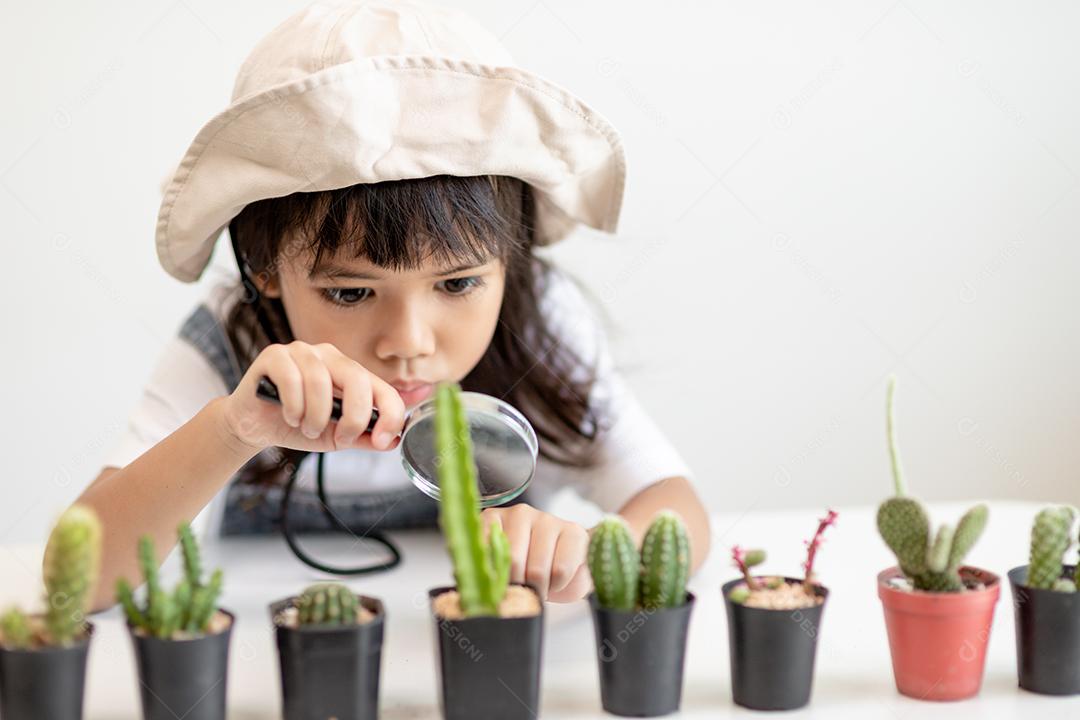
180	385
632	452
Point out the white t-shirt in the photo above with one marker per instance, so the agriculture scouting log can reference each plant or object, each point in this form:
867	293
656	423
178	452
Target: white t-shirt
632	452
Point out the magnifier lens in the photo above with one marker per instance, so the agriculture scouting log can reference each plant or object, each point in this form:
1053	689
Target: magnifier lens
504	447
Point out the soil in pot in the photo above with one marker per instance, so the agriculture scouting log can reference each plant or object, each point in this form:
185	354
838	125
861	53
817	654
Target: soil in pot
187	675
46	682
330	671
1047	636
641	654
938	639
489	667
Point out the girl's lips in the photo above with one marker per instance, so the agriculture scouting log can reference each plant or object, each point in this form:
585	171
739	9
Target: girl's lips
417	395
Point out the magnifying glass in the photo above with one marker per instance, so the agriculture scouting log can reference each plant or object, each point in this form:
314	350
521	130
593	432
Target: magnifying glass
504	444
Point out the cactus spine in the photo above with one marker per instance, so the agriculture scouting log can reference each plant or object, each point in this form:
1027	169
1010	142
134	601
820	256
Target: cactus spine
72	563
656	578
481	568
931	564
328	603
1050	540
665	562
614	564
187	608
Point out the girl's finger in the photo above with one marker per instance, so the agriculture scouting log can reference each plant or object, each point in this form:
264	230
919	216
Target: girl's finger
318	390
279	366
578	587
570	553
542	542
490	517
391	413
517	524
355	384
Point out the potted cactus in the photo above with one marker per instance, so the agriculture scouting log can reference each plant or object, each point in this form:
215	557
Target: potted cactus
1046	605
181	638
938	612
489	633
43	657
773	626
329	643
641	613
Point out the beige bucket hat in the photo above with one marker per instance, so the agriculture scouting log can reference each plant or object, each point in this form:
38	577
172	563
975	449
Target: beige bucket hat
347	92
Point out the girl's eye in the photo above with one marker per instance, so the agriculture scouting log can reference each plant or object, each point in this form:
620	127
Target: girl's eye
461	286
346	296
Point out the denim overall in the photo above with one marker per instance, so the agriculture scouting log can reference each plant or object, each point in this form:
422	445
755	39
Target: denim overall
256	509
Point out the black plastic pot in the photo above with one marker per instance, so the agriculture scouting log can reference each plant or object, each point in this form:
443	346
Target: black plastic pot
183	678
772	652
1047	636
489	667
45	683
330	671
640	655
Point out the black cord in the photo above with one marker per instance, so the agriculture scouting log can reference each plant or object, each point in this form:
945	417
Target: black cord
290	535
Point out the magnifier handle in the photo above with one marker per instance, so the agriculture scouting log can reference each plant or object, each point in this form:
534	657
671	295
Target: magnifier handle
267	390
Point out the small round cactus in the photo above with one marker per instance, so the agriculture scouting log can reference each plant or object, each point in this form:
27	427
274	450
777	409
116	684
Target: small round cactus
665	562
614	564
328	603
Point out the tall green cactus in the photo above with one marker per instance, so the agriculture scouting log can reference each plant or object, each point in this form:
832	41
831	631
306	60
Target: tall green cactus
652	579
481	569
665	562
614	564
187	608
1050	540
327	603
72	563
931	563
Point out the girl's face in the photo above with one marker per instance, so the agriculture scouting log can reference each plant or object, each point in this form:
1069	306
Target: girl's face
407	327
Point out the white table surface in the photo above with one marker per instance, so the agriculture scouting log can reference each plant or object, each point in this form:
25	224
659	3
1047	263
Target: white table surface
853	677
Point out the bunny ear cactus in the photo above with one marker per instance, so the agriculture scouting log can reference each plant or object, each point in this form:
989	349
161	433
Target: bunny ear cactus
72	563
1050	540
190	605
481	568
327	603
931	562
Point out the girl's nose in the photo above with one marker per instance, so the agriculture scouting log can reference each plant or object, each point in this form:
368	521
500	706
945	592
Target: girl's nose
405	333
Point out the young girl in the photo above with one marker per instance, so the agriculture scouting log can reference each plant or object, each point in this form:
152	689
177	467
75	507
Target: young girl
385	175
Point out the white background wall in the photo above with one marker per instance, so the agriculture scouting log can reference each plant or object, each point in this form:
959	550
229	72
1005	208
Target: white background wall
819	194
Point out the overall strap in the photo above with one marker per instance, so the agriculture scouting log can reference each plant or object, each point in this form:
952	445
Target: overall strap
203	331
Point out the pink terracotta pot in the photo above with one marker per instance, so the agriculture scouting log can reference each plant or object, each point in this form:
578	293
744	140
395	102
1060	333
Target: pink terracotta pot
938	640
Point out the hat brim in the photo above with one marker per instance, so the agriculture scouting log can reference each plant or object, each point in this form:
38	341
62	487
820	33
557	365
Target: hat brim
393	118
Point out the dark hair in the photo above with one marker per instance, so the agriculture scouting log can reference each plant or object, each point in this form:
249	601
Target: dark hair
397	225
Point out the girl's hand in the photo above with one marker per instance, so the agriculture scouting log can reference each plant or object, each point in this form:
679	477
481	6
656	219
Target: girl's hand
307	377
545	552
